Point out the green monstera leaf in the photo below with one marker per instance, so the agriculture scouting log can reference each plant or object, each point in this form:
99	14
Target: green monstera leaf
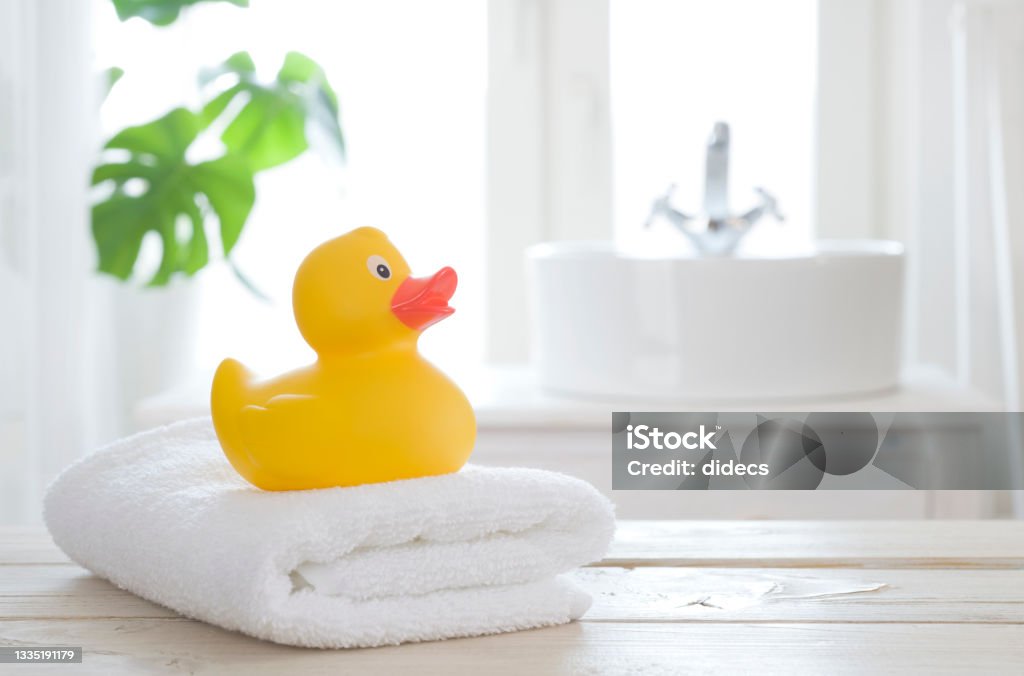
157	189
274	124
160	12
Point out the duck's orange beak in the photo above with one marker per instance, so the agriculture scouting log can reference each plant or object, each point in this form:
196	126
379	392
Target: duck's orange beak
422	301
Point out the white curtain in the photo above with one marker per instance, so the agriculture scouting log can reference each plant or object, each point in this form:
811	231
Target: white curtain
59	392
950	135
988	139
988	40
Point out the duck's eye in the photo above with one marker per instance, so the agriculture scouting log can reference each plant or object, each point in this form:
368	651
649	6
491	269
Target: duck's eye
378	267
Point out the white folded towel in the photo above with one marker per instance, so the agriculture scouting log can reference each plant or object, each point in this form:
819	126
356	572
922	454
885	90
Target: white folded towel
162	514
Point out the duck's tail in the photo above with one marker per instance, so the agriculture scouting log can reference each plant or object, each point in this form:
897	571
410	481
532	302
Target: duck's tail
229	394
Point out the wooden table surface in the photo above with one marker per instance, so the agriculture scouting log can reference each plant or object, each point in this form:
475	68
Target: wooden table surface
672	597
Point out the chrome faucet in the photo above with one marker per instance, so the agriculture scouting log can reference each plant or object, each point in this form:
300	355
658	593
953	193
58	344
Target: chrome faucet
717	231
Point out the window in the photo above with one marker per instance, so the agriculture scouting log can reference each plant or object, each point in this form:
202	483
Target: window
613	97
677	66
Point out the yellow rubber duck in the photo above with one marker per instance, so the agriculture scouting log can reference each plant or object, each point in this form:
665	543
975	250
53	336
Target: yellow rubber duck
370	408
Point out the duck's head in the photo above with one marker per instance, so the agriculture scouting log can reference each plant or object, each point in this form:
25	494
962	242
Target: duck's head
355	292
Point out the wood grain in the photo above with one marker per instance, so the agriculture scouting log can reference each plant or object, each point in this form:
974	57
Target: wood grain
639	594
761	544
838	544
804	595
181	646
28	545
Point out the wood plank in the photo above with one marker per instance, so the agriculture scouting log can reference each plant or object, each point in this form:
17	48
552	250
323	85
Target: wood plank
639	594
42	591
761	544
28	544
804	595
175	646
767	544
839	544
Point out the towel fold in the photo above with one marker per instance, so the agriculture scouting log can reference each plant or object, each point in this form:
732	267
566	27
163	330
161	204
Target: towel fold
163	515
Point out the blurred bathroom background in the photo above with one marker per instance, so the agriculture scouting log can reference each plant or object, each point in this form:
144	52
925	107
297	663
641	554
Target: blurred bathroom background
474	130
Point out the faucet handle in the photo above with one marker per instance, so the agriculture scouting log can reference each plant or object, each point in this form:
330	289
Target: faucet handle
663	207
769	204
717	230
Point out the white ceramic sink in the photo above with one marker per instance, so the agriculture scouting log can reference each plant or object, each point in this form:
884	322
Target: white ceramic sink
611	324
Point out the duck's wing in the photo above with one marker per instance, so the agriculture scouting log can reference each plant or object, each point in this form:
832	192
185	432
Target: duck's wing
286	435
